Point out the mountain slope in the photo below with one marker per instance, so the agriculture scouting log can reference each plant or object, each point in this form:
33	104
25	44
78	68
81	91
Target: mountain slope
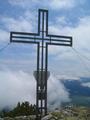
79	94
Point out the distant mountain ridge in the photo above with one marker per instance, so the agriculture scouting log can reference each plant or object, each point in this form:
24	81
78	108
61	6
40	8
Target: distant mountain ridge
75	87
79	94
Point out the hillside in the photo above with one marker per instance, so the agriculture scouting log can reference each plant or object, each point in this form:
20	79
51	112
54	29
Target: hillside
79	94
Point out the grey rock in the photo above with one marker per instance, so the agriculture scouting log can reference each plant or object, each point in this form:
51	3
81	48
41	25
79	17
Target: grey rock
48	117
31	117
1	119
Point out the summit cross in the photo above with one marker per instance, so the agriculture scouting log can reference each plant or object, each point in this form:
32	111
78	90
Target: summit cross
42	39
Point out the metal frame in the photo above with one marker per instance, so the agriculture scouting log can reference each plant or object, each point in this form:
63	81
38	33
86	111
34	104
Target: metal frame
45	40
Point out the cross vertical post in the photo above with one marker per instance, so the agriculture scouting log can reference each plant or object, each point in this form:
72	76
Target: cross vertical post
42	39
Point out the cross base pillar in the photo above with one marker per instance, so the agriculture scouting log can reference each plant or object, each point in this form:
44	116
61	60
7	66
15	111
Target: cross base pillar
41	99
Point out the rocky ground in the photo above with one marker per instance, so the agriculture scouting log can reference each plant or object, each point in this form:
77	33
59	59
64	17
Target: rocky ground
71	113
20	118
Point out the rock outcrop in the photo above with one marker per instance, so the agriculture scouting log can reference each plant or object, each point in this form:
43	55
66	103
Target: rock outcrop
32	117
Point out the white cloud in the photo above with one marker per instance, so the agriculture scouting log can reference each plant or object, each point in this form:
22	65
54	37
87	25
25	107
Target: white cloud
53	4
68	77
22	3
81	42
26	4
61	20
80	33
20	86
57	93
17	25
62	4
25	23
86	84
4	35
16	86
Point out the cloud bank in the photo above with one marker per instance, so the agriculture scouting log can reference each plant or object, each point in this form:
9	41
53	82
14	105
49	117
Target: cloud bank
20	86
16	86
87	84
57	93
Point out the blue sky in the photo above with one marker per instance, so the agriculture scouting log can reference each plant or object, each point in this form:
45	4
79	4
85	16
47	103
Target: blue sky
66	17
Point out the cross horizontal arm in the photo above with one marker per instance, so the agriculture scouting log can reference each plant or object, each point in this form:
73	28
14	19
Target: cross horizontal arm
60	44
23	41
22	37
60	40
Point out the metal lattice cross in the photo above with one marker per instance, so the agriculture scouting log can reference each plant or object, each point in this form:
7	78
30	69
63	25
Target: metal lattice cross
42	39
